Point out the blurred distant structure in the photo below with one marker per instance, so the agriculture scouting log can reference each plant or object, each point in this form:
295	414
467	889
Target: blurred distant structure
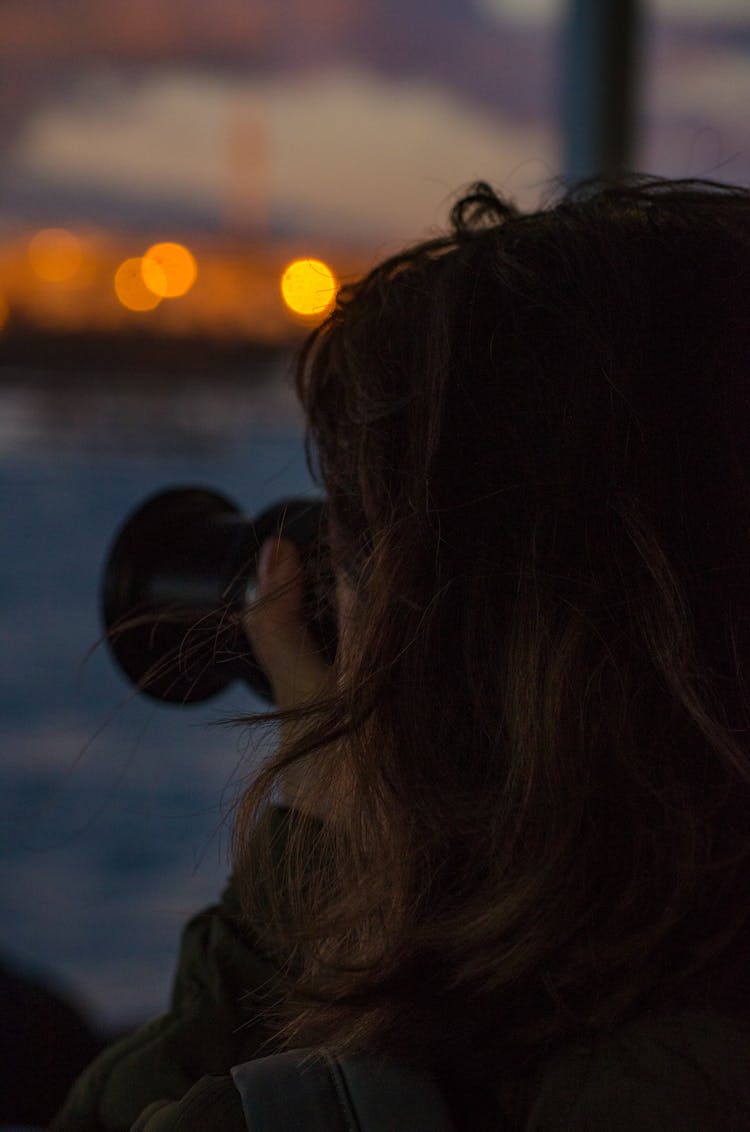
248	171
258	134
252	135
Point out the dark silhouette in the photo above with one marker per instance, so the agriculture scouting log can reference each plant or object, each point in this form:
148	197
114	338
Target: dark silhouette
46	1041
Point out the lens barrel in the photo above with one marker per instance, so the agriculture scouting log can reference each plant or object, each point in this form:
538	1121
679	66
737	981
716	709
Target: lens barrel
181	570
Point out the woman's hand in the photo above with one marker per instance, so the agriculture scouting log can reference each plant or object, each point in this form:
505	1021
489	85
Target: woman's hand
285	649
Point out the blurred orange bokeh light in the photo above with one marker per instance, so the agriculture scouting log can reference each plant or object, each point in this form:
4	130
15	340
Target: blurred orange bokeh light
168	270
308	286
131	289
55	255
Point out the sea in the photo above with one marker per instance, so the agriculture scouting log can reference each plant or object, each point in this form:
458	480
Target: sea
114	808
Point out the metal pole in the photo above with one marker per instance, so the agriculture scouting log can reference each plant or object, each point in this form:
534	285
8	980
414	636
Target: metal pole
600	68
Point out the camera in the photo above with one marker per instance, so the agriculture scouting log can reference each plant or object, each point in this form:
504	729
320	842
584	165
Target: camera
182	568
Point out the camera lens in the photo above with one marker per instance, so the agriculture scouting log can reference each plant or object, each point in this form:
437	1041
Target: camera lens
181	570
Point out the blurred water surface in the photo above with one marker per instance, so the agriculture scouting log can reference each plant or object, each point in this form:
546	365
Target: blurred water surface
113	809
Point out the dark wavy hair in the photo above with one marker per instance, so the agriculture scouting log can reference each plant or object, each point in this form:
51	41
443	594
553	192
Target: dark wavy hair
533	433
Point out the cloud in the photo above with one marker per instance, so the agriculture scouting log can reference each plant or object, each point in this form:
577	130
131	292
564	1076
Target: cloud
522	11
342	153
718	88
545	12
701	11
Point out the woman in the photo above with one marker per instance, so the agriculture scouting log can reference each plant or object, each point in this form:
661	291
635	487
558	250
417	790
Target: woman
513	846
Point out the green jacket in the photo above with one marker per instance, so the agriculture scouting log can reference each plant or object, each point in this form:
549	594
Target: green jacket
688	1072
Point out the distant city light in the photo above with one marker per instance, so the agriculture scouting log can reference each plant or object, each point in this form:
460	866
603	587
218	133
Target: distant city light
131	289
169	270
55	255
308	286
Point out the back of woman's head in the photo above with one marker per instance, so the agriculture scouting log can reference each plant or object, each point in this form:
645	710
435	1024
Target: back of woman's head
534	435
